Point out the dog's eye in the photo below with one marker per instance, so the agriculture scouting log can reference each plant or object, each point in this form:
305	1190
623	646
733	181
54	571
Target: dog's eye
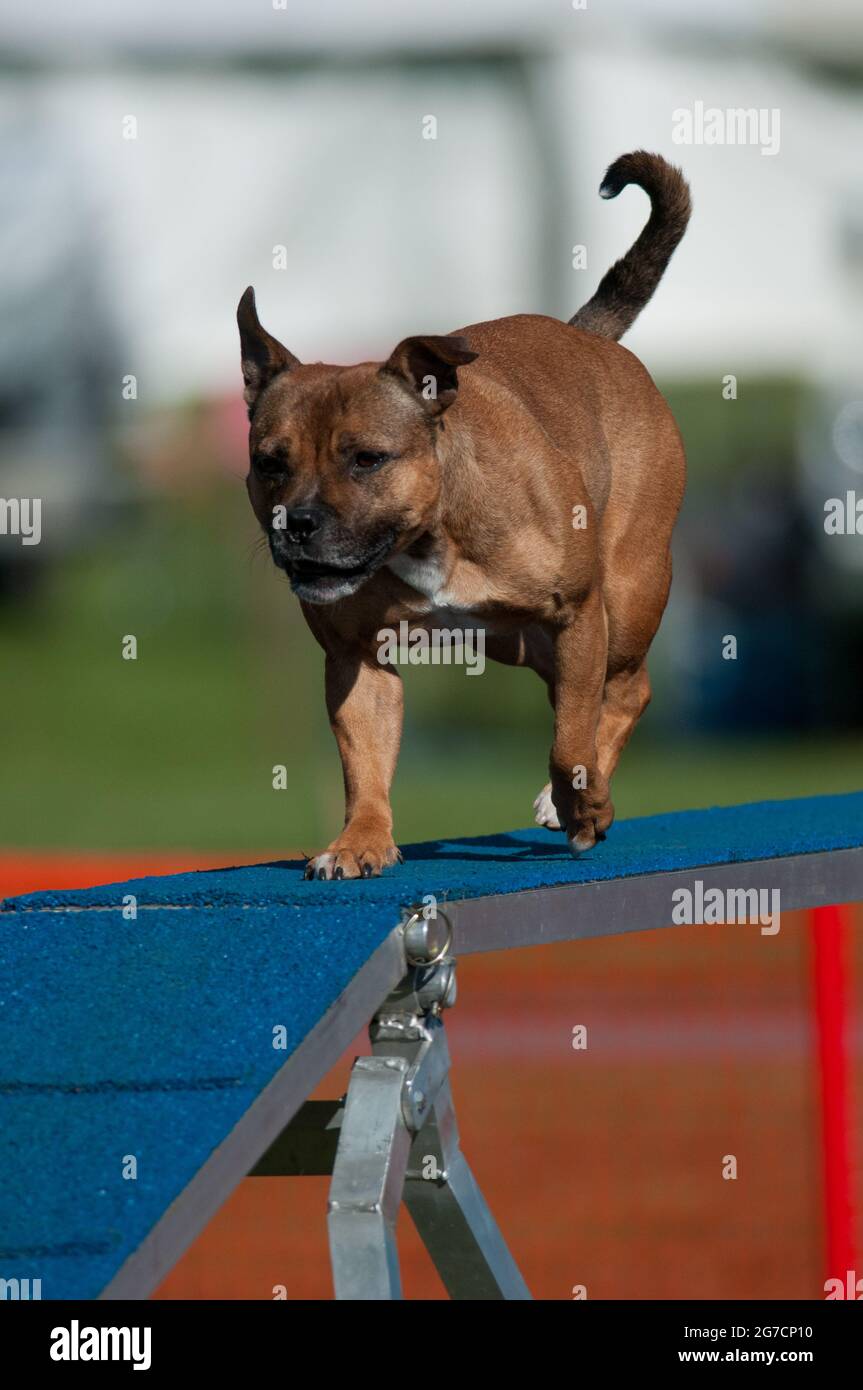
367	460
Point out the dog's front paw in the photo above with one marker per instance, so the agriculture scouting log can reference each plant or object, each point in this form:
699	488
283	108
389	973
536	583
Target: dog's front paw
583	839
589	830
584	813
355	854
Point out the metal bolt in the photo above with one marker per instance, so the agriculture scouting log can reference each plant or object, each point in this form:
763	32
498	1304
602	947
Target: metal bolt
427	940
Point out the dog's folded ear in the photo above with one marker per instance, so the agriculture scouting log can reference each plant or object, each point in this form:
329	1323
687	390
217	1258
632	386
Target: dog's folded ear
262	355
428	365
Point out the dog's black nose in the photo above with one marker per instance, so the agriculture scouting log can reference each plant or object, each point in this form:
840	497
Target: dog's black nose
302	523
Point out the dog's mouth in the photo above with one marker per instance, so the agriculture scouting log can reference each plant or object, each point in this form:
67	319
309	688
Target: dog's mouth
322	581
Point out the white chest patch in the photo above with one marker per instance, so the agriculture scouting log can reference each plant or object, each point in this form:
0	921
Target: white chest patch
426	576
441	608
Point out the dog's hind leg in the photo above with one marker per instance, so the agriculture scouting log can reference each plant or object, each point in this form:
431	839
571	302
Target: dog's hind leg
626	697
579	788
634	605
534	648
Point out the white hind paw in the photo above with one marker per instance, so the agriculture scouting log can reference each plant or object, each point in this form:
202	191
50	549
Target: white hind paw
544	807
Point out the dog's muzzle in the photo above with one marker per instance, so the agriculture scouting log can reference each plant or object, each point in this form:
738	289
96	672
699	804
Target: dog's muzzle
323	575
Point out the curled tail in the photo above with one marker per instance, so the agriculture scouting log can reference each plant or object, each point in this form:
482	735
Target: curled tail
625	288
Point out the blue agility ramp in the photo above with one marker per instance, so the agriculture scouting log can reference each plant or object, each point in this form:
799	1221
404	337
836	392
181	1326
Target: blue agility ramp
139	1080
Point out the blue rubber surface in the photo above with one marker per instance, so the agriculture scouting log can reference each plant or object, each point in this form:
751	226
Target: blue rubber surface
152	1037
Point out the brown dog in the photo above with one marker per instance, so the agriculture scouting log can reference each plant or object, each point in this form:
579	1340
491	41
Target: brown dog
523	475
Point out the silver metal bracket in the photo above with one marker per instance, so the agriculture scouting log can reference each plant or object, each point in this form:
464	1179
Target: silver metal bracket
394	1137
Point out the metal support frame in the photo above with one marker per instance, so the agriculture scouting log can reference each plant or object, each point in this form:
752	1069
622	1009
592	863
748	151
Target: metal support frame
394	1137
498	922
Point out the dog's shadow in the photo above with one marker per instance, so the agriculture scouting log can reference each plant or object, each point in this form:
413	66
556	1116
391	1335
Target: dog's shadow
488	849
505	848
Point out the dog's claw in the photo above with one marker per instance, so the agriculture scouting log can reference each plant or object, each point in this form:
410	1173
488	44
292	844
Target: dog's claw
343	861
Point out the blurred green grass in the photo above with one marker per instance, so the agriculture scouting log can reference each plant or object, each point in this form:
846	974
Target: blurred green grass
177	748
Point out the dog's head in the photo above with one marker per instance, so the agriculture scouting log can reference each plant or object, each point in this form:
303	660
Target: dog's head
344	470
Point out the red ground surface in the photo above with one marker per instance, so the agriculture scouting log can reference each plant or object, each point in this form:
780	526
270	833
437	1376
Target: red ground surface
603	1166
